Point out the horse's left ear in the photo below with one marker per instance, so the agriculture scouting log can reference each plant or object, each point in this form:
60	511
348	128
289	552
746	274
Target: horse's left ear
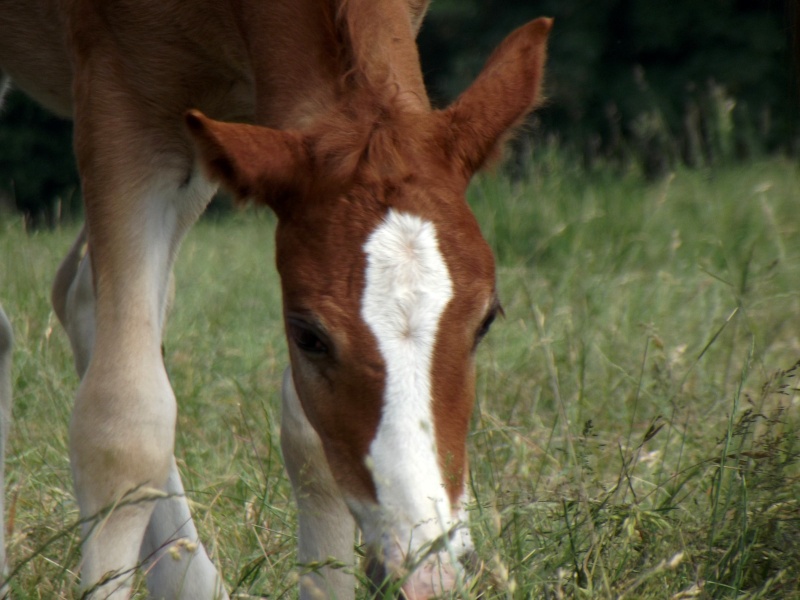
506	90
259	163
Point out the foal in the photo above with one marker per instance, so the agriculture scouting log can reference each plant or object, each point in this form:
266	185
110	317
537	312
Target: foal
388	285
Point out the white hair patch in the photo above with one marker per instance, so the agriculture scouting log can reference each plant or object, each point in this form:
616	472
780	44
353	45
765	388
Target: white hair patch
408	287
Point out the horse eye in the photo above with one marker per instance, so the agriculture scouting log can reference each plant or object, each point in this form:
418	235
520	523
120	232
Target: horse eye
306	339
485	325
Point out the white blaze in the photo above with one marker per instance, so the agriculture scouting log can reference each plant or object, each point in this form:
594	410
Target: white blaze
407	289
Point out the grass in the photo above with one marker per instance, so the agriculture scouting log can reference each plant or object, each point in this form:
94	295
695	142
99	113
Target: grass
636	426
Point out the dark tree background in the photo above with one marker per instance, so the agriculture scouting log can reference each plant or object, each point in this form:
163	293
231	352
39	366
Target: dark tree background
698	81
37	169
629	82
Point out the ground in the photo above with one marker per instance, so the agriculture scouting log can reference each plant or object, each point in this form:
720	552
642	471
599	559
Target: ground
636	426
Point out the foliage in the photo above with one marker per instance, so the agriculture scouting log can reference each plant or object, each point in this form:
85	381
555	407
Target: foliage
636	428
613	60
37	168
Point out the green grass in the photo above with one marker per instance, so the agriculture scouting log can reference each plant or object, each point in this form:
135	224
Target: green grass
636	426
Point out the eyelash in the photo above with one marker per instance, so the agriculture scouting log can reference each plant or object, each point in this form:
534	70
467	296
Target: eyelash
486	324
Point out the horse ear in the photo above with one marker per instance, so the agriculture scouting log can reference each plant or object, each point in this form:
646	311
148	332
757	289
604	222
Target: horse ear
506	90
251	161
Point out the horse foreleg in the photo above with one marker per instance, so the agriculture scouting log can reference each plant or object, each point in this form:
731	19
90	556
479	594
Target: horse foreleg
141	196
123	422
175	561
6	346
326	527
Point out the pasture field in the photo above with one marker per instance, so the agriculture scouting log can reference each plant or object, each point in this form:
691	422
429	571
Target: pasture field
636	427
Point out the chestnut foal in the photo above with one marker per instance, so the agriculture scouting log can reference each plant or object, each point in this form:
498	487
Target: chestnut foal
387	283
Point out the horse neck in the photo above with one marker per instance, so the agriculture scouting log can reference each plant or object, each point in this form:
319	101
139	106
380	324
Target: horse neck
302	54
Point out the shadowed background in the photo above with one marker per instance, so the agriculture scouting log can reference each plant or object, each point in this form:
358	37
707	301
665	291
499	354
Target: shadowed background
632	84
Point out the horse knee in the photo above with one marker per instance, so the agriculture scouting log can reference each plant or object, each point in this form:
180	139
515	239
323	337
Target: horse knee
122	431
121	445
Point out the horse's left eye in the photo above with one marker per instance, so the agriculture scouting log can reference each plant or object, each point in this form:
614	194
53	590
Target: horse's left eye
487	323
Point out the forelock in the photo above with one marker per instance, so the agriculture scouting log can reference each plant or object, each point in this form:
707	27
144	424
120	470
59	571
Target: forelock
370	139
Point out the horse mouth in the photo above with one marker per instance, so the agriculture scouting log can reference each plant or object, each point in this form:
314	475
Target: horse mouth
436	567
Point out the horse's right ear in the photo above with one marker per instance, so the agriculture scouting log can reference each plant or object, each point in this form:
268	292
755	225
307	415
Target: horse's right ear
506	90
253	162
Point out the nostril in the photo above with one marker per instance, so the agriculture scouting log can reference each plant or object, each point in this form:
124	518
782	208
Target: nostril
471	562
377	577
432	578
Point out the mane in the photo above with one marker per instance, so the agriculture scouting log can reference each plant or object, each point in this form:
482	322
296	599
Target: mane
375	43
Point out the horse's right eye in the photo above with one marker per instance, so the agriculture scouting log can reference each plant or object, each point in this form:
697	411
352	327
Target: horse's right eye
306	338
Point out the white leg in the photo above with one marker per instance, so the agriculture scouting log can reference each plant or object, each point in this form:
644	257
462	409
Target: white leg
122	429
6	346
176	564
326	527
121	438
